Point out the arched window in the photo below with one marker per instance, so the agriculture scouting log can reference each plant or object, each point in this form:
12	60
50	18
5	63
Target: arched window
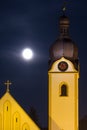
63	91
16	121
25	127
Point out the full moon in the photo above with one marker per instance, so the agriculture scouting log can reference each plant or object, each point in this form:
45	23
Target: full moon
27	54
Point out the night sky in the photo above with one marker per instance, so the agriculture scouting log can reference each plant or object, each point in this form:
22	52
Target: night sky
34	24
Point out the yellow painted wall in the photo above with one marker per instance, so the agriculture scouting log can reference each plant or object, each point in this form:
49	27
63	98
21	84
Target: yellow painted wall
16	121
0	122
63	110
13	117
7	115
25	127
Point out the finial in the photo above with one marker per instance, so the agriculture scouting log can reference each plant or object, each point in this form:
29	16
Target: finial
64	7
8	83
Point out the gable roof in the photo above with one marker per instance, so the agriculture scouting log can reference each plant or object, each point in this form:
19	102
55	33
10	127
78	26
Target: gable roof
11	110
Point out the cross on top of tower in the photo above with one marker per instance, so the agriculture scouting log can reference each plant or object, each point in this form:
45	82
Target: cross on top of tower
8	83
64	7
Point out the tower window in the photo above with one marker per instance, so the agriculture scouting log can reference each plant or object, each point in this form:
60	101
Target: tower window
63	90
16	119
7	108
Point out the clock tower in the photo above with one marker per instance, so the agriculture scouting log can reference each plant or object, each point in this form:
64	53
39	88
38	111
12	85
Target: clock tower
63	77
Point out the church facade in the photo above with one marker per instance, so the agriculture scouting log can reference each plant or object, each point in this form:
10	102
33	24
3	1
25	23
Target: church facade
12	116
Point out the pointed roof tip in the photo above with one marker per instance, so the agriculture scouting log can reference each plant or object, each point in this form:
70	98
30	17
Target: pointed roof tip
64	8
64	19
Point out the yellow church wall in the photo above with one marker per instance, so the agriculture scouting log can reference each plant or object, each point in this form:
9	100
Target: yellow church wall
63	110
25	127
13	117
0	122
16	121
7	115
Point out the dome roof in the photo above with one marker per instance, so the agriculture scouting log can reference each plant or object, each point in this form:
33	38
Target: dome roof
63	47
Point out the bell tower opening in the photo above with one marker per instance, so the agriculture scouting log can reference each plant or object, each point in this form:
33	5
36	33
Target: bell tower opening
64	90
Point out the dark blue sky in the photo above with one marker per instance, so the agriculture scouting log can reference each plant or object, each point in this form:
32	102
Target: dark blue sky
34	24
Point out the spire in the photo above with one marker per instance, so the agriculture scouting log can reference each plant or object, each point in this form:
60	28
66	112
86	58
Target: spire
8	83
64	7
64	22
64	46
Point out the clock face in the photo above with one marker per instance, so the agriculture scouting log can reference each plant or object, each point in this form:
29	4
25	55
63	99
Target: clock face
62	66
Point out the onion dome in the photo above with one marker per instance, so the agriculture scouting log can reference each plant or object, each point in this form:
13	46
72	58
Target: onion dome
64	46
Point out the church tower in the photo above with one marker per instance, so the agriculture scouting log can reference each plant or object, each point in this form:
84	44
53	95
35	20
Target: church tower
63	77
